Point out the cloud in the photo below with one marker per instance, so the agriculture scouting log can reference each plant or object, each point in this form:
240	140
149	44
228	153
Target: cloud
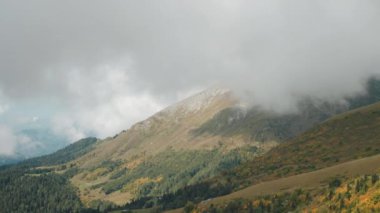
110	63
3	104
8	141
3	108
102	104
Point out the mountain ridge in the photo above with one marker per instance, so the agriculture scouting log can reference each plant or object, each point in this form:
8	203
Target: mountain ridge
165	155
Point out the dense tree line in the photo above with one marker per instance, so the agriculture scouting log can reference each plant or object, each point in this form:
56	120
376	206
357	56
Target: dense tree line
26	188
24	192
194	193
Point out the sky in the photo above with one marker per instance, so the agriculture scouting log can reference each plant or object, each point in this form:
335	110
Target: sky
93	68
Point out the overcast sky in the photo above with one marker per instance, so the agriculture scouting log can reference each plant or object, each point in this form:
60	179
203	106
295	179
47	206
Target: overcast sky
93	67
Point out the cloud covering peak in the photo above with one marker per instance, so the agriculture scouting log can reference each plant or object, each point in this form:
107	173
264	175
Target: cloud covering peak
110	63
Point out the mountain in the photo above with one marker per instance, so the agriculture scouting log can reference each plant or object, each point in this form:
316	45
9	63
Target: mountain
187	143
342	138
204	146
264	125
348	136
161	154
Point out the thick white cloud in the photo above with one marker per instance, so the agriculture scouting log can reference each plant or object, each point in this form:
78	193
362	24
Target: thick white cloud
12	143
8	141
3	108
102	104
3	104
111	63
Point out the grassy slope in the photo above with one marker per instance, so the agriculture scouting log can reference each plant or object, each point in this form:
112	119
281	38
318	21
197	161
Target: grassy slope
369	165
346	137
349	136
137	163
156	175
359	194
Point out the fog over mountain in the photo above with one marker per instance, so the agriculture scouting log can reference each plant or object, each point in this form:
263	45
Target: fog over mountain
96	67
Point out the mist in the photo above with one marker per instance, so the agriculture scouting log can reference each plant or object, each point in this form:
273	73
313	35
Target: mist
270	53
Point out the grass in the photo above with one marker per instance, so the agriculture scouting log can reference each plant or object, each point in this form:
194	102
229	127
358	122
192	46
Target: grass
346	137
319	182
176	169
360	194
369	165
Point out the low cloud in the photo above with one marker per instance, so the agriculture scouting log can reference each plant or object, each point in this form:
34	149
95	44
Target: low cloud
8	141
111	63
102	104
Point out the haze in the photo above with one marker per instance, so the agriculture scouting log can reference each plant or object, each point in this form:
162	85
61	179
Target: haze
85	68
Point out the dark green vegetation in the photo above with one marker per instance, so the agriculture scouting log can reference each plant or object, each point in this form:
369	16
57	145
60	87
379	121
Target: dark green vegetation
360	194
27	189
193	193
23	191
172	170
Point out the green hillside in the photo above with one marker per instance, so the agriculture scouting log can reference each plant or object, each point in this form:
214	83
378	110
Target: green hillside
349	136
360	194
180	155
169	171
23	191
